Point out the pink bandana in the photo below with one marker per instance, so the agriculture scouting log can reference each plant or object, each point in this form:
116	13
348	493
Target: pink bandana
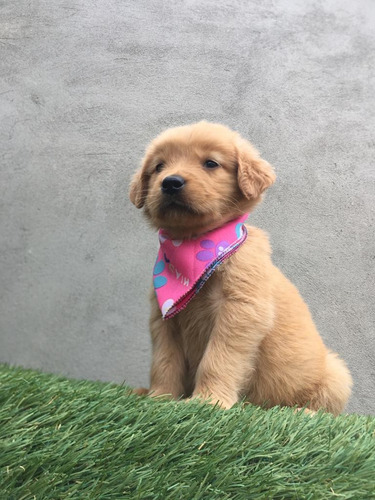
183	266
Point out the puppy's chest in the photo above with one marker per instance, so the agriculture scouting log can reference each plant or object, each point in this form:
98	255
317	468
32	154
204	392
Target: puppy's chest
197	320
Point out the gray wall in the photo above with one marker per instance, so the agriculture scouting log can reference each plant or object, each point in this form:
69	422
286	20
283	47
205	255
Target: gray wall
86	84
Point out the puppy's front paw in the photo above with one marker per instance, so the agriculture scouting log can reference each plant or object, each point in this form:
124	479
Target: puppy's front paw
153	393
212	400
160	393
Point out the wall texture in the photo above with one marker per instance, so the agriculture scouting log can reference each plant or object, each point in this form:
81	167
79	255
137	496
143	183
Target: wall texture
84	85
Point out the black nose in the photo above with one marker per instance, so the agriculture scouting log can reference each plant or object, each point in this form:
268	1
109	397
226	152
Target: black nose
172	184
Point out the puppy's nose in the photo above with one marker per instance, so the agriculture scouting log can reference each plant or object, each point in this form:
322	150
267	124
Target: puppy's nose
172	184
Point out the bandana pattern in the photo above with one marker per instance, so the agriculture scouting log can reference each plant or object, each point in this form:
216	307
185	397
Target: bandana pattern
183	266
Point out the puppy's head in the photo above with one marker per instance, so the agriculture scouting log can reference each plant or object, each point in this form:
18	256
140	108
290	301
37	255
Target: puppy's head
197	177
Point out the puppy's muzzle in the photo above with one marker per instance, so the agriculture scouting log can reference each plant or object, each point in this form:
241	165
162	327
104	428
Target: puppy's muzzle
173	184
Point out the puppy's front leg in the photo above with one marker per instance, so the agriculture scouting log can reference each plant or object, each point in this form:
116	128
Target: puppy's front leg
168	363
229	358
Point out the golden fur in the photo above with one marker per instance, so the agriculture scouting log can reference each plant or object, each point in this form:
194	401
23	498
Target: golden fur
248	333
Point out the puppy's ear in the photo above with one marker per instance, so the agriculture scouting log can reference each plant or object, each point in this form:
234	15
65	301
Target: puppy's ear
254	174
138	188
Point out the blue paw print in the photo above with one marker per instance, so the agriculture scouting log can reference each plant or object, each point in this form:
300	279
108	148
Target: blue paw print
159	281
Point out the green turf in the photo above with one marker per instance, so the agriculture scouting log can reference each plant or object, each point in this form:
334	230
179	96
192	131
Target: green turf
73	439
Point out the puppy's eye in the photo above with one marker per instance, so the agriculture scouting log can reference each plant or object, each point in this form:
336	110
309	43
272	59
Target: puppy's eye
159	167
211	164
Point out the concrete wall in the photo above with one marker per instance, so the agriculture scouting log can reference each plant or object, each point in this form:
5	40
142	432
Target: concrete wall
86	84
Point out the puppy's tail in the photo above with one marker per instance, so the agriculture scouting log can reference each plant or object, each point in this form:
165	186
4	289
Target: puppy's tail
336	386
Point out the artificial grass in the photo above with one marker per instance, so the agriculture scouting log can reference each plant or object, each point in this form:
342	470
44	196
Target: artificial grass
74	439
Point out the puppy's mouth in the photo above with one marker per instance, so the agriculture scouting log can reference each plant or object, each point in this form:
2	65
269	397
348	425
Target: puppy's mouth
177	205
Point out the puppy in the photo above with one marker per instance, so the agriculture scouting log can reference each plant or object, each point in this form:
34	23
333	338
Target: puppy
247	333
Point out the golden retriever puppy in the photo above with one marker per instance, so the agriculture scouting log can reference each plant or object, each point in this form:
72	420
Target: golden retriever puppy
247	333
